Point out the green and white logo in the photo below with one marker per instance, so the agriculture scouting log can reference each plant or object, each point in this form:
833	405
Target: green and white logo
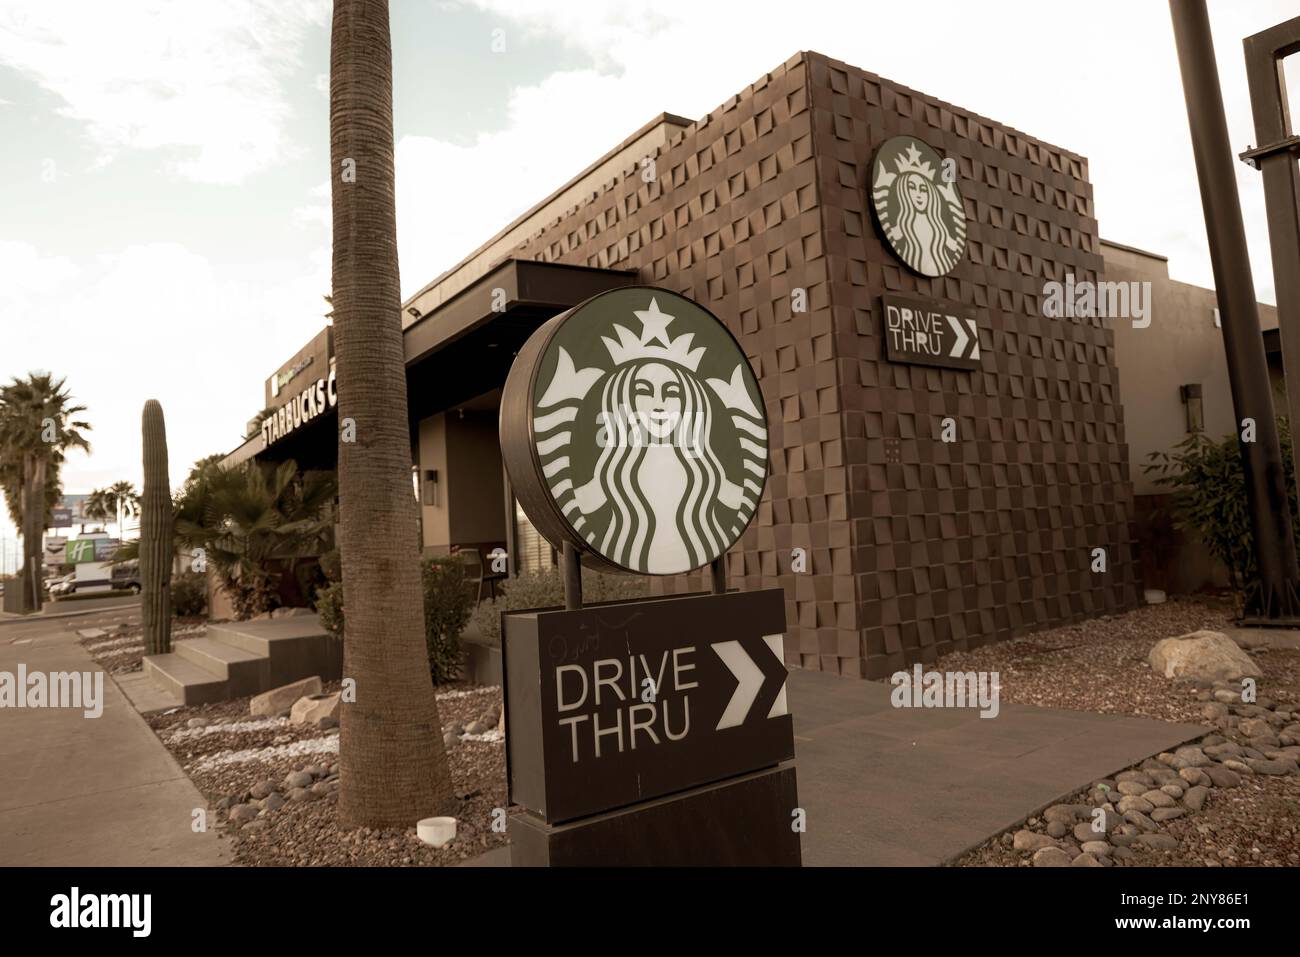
915	195
650	431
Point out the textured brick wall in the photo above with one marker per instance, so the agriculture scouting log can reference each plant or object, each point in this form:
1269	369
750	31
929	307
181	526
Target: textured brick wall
955	545
913	546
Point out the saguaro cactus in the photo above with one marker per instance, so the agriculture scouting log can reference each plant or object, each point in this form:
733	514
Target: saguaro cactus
156	534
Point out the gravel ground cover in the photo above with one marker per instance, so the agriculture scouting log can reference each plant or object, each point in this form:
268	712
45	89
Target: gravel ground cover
121	650
273	785
1101	666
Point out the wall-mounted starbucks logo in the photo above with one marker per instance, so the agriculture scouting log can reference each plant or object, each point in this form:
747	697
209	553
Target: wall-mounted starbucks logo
647	446
918	205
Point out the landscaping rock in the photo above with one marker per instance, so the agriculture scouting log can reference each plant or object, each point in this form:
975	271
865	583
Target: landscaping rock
1137	788
1083	832
1064	813
1164	842
1057	829
1195	797
1051	857
1194	756
1141	820
273	801
1166	814
1195	777
1086	860
1134	803
1096	848
242	813
297	780
1266	766
197	723
261	789
1026	840
300	794
1159	799
312	709
280	700
1208	655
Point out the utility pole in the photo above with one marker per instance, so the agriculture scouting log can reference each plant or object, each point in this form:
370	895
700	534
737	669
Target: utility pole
1275	598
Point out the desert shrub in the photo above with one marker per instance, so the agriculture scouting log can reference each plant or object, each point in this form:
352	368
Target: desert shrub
189	595
329	605
545	589
447	606
1207	497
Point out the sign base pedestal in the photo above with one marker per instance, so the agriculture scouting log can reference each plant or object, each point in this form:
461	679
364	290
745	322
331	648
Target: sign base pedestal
745	821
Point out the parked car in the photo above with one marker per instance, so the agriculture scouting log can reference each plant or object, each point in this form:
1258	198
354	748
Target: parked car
126	577
67	585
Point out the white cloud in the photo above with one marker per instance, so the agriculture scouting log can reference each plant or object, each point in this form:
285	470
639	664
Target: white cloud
202	81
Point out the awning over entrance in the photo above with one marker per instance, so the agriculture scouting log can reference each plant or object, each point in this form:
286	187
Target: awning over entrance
459	350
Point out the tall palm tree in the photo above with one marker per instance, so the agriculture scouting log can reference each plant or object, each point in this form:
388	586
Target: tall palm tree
96	507
124	501
394	768
38	426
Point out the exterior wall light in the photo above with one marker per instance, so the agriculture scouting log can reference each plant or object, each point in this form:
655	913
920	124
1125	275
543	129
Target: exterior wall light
1194	406
430	496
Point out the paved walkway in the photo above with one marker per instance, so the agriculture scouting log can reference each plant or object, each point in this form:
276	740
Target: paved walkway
904	786
89	791
896	787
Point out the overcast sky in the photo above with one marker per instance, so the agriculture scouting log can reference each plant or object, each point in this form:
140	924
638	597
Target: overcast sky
163	195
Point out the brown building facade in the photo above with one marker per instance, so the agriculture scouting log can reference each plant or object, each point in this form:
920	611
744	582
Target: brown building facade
892	545
915	547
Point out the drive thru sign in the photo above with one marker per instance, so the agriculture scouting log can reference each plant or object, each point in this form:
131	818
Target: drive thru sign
610	705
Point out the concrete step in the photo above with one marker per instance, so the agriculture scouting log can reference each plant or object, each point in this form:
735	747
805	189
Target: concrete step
188	682
246	672
296	647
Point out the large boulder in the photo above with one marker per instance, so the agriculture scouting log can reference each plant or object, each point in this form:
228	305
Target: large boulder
280	700
1202	656
316	709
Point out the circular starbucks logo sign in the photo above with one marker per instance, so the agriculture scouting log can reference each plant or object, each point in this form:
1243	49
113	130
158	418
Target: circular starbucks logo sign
919	206
633	427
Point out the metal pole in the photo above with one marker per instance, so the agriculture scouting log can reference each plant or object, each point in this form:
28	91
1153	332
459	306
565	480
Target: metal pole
719	569
1275	596
1276	153
572	578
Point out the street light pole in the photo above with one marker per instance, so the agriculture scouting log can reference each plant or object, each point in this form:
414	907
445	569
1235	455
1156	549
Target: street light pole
1275	597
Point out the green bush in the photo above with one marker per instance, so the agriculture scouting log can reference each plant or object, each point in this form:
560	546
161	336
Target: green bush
546	590
189	595
1207	487
329	605
447	604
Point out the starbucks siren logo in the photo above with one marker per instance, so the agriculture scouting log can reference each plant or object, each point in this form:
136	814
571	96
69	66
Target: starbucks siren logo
649	430
921	215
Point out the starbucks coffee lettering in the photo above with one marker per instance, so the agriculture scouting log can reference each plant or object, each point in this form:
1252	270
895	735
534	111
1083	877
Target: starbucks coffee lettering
315	400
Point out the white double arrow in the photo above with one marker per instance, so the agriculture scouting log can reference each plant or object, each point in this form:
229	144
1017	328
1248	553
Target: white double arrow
749	679
960	327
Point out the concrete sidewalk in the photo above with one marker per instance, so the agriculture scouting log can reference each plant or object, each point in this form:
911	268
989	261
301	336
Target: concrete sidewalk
89	791
910	786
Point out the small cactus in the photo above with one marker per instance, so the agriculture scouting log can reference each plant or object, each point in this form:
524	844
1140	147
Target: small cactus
156	534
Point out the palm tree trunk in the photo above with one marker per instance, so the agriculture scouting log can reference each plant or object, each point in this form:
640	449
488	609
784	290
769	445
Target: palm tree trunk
394	768
33	520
